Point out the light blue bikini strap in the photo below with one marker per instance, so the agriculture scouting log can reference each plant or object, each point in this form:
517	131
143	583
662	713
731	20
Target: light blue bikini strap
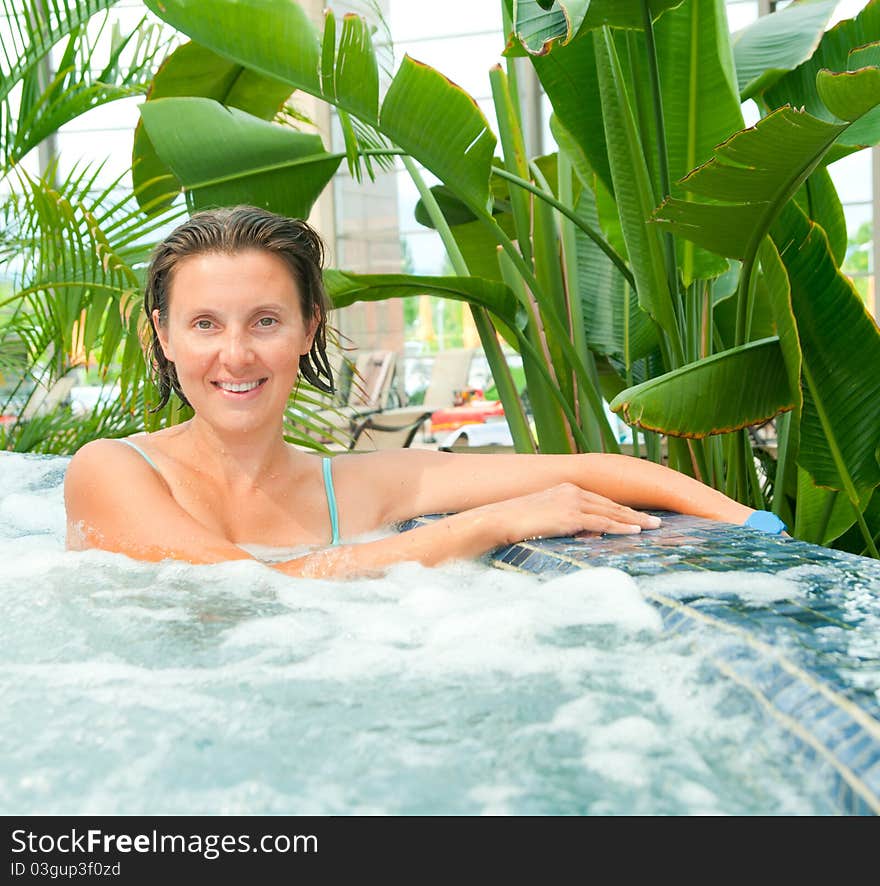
137	448
331	500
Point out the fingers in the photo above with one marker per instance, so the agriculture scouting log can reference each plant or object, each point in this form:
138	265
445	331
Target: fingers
596	523
619	514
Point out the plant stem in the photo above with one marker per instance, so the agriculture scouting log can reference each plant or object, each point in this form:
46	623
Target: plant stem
839	462
783	433
559	332
606	247
513	408
663	157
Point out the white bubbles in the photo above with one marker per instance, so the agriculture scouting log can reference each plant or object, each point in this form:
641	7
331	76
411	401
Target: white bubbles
750	588
166	688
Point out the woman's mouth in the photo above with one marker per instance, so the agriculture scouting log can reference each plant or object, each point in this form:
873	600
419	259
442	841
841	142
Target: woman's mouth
239	388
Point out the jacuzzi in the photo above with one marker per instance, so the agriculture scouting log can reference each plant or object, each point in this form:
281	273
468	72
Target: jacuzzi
698	669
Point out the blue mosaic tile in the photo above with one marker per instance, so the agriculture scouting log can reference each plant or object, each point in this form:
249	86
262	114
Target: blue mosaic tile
871	778
860	807
855	752
849	728
816	634
792	696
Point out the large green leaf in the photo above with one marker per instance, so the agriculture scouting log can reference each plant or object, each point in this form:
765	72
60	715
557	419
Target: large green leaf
758	170
777	43
345	289
224	156
748	385
819	200
275	39
423	112
798	88
355	72
822	514
193	70
538	27
701	107
568	77
774	293
632	189
443	127
841	353
614	321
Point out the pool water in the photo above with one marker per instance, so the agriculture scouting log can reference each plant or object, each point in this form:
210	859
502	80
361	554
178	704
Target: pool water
230	689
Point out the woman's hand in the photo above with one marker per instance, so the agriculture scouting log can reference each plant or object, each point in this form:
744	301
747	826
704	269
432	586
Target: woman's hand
563	510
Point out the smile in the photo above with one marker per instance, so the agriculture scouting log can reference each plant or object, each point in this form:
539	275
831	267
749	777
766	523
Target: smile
238	387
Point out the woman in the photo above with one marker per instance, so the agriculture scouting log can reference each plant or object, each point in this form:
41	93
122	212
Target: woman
237	310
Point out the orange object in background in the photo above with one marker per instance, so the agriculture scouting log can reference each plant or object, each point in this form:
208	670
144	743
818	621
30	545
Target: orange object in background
473	413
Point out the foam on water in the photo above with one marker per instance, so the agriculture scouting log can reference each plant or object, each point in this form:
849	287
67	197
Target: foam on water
167	688
750	588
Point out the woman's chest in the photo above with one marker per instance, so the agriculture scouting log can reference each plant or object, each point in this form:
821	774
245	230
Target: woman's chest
284	513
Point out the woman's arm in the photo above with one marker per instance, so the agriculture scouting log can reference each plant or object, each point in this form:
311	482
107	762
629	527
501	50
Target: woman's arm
423	482
116	502
561	510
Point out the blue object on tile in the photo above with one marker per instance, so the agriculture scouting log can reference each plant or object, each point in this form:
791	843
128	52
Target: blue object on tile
764	521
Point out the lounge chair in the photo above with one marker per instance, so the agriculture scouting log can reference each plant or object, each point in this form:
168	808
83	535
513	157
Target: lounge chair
372	433
449	373
46	399
367	393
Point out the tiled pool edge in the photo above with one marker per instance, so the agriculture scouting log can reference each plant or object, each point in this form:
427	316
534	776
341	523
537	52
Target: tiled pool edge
826	728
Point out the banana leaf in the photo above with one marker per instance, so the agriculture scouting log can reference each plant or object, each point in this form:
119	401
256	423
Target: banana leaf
749	385
538	26
633	192
701	107
277	40
193	70
822	515
798	88
424	113
345	288
577	108
777	43
224	156
820	202
758	170
615	324
775	293
840	342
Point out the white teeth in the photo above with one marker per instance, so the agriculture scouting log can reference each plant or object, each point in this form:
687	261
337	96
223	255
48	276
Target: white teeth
238	389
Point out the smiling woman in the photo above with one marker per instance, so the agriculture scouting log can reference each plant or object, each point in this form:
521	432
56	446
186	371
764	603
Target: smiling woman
237	310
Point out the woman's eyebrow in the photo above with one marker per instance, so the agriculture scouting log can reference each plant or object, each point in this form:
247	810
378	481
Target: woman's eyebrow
213	310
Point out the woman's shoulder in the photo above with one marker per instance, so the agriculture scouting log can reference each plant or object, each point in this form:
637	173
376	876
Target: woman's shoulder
106	460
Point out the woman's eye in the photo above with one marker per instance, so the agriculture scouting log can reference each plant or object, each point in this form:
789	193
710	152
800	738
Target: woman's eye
266	322
203	324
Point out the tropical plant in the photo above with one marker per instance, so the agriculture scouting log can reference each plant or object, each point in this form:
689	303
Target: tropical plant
69	248
665	255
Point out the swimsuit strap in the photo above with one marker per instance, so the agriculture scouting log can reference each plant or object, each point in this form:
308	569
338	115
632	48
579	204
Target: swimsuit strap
331	500
137	448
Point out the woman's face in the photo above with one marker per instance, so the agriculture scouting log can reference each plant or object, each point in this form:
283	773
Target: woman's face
235	334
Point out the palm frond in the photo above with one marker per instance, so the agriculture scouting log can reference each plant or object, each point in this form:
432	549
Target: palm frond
77	284
31	109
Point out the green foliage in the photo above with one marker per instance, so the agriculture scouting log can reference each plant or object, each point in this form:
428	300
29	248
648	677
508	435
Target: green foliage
665	253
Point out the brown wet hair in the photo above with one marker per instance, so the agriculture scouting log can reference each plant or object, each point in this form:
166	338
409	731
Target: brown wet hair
229	231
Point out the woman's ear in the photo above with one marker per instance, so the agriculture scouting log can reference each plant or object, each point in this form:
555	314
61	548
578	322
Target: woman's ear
312	331
162	334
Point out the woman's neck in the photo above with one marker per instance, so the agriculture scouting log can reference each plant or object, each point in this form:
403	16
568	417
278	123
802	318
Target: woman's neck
247	457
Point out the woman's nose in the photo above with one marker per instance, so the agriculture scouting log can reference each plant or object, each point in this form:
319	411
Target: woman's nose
236	348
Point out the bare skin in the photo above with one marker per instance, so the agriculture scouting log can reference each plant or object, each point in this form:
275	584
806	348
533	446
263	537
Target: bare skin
227	478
